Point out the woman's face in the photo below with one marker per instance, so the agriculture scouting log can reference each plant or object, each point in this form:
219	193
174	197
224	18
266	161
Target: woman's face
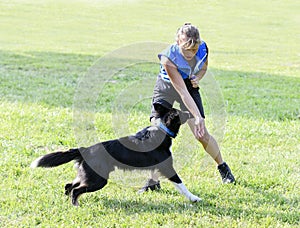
187	52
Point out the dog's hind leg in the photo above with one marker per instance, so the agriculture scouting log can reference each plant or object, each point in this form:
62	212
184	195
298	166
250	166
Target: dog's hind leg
75	183
76	192
69	187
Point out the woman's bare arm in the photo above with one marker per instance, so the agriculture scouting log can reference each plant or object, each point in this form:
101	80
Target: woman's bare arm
180	87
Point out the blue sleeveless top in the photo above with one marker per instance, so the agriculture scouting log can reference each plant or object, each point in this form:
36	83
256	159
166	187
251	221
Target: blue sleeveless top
174	55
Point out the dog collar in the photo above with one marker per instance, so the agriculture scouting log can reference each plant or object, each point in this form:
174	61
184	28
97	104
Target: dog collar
167	130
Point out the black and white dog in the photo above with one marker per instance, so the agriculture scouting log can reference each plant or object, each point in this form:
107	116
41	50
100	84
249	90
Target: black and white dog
149	149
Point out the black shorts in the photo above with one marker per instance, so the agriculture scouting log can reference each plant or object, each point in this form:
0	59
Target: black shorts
164	94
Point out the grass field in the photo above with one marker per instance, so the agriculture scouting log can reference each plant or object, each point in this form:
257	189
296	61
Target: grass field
47	50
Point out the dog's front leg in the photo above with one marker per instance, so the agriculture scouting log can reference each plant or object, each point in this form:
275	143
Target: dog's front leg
175	179
184	191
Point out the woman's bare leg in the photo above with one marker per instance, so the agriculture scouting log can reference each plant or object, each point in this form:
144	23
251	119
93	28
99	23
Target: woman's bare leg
209	144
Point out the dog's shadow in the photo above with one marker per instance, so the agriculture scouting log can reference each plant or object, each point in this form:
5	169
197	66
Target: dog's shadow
172	202
147	204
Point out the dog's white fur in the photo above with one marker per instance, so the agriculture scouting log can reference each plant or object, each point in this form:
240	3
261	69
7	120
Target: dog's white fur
184	191
35	163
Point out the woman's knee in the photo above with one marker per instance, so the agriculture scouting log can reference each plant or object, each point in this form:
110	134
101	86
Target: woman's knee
205	138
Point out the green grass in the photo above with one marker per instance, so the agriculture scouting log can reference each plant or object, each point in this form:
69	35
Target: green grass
46	50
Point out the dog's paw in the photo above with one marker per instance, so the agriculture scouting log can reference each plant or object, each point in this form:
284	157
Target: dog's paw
195	199
152	185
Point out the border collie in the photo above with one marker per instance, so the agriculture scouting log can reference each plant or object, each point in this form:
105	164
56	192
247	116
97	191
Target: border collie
149	149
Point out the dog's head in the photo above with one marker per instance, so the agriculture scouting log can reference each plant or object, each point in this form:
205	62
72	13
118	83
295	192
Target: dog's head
174	118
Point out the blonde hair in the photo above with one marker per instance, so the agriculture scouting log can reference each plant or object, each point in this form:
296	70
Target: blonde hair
192	34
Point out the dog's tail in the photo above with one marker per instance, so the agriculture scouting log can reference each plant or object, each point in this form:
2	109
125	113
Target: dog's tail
57	158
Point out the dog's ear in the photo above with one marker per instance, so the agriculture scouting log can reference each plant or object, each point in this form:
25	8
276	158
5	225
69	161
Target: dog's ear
184	116
160	109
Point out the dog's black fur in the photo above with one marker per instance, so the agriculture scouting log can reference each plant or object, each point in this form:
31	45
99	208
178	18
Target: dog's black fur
148	149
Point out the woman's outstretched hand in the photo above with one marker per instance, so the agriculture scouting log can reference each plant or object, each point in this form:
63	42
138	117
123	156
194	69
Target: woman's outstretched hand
199	129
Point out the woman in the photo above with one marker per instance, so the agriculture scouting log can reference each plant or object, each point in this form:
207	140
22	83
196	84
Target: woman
183	64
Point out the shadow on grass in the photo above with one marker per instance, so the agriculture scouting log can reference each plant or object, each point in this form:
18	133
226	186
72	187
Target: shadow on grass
209	206
51	79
